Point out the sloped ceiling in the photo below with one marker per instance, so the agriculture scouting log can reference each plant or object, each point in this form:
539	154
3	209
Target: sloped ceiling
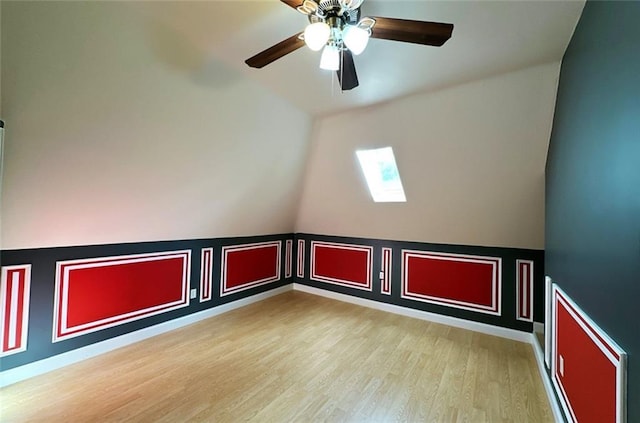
489	37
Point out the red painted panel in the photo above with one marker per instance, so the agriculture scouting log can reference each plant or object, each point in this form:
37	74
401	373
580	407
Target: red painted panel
22	274
524	288
345	265
15	303
246	266
98	293
6	293
103	292
590	379
463	281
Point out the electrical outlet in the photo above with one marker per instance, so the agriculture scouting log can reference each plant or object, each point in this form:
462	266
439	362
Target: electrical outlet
562	366
194	293
381	275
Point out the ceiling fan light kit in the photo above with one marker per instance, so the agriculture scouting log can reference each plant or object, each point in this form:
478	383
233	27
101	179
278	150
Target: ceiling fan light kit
330	59
335	28
355	38
316	35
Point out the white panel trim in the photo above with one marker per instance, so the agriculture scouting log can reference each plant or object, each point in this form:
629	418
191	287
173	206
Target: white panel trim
288	260
300	266
496	281
206	274
513	334
229	249
46	365
13	309
343	282
598	336
548	320
9	290
558	387
527	293
60	303
387	262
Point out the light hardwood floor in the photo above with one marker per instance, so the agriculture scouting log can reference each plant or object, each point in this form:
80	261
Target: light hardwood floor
295	358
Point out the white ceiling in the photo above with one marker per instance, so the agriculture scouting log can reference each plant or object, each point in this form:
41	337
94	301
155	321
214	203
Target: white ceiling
489	37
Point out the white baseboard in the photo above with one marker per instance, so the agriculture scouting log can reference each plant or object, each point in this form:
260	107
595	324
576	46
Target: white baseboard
513	334
553	401
538	327
46	365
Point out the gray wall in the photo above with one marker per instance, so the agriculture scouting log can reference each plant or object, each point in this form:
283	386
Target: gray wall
593	178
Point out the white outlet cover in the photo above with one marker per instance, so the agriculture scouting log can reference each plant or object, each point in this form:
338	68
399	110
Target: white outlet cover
194	293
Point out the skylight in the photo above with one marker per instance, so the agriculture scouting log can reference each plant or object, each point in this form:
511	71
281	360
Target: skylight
380	170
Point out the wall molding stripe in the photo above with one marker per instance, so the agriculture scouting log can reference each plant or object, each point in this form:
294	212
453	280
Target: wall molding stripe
524	290
206	273
495	295
46	365
63	309
502	332
288	259
365	281
249	276
548	316
300	266
15	286
385	287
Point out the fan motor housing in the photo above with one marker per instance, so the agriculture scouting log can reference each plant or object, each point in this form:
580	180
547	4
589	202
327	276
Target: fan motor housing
331	9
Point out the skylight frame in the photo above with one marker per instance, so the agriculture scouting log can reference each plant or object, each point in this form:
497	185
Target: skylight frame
381	173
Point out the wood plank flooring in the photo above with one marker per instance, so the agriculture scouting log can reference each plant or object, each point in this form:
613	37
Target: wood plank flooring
295	357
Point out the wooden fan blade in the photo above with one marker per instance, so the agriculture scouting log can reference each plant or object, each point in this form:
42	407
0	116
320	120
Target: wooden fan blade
408	31
292	3
347	73
275	52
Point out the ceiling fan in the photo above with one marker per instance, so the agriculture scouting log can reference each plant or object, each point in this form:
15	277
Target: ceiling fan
336	28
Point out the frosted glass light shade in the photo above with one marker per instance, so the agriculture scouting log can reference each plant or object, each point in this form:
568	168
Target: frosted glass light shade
316	35
355	39
330	59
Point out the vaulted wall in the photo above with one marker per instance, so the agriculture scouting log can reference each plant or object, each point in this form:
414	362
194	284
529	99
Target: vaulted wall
471	159
112	136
